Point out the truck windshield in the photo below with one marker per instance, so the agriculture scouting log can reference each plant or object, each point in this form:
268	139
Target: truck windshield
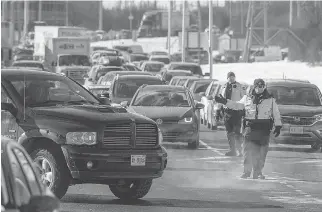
48	90
74	60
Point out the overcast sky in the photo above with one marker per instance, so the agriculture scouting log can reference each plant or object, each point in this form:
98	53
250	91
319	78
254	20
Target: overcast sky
164	3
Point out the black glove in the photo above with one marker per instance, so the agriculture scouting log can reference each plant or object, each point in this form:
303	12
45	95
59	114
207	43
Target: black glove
221	99
277	130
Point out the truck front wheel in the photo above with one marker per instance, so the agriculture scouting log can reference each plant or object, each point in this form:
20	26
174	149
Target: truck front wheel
53	170
132	190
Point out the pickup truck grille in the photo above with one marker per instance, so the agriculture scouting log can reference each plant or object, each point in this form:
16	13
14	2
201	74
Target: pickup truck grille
120	135
75	74
146	135
305	121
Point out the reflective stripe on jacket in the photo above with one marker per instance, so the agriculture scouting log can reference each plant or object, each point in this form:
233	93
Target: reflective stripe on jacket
266	110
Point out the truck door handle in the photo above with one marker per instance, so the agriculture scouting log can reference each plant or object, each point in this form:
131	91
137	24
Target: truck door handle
12	131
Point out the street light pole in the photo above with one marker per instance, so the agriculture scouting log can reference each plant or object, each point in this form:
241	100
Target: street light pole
183	46
100	15
39	10
26	17
169	27
66	17
210	38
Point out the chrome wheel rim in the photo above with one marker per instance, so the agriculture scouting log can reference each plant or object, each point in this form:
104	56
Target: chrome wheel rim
46	171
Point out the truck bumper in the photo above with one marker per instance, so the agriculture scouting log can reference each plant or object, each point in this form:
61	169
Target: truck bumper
112	165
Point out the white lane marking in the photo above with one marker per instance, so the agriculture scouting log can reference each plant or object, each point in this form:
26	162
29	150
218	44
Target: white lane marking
211	148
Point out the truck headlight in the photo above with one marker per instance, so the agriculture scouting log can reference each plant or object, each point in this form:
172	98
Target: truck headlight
318	117
81	138
160	137
185	120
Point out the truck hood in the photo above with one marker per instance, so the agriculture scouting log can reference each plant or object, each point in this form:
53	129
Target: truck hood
301	111
89	113
173	113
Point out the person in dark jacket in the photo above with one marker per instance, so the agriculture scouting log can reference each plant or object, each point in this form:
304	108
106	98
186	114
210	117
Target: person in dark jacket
261	114
232	118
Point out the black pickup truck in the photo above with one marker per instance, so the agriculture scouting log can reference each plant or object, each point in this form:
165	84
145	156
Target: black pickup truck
77	138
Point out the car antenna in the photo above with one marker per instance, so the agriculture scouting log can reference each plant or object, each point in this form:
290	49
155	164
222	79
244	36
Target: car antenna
24	97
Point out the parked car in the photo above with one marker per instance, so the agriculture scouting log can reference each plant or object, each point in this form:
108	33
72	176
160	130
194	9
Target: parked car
153	67
109	77
22	188
214	107
166	75
131	67
205	100
198	88
97	71
300	105
124	87
182	79
172	108
193	67
29	63
137	57
161	58
61	123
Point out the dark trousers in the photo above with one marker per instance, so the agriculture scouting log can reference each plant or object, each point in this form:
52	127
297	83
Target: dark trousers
232	121
255	153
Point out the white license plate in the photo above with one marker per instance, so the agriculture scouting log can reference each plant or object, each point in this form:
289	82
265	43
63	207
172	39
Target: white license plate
296	130
138	160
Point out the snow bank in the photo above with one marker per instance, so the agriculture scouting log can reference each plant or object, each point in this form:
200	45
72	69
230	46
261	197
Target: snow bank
247	72
148	44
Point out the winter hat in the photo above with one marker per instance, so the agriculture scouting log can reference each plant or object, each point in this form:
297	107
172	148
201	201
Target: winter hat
259	82
230	74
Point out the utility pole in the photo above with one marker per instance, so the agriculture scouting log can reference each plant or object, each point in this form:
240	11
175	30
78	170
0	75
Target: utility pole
67	11
298	9
26	17
230	13
210	38
199	29
4	10
100	15
39	10
183	46
291	13
169	27
242	17
12	34
265	23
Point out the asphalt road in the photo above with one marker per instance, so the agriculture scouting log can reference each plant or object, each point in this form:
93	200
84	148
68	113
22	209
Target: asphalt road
206	180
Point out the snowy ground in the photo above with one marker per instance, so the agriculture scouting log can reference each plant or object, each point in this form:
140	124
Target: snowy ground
246	72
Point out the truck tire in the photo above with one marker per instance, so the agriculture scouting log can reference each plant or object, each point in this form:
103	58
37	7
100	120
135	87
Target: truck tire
60	178
135	190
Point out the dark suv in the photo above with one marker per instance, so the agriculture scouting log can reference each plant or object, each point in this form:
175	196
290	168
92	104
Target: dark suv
124	87
300	105
78	137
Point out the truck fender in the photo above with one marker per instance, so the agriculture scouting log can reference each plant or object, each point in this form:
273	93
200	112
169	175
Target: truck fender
40	133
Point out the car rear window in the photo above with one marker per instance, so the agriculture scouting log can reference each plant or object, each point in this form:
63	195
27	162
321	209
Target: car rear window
201	87
304	96
33	65
196	70
164	60
102	71
127	88
156	67
138	58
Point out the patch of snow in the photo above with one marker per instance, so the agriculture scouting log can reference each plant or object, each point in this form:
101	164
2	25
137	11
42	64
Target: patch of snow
247	72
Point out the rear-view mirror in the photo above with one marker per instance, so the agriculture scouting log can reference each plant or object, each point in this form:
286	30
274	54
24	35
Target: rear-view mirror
90	80
105	101
202	93
210	97
42	203
199	106
104	95
125	104
207	75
